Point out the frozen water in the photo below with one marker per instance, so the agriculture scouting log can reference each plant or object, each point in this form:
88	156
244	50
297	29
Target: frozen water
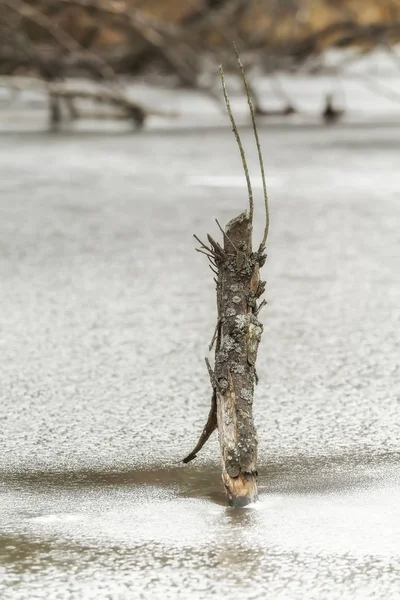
106	314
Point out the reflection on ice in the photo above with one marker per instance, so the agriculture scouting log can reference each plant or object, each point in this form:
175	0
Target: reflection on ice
355	512
173	546
57	518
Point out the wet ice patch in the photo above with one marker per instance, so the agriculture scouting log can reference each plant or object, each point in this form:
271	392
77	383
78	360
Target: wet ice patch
121	515
360	523
254	506
56	518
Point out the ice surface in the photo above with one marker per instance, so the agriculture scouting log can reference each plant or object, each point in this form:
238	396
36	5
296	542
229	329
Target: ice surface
106	314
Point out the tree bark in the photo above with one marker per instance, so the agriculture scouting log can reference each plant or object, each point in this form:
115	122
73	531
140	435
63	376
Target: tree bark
233	379
237	334
240	332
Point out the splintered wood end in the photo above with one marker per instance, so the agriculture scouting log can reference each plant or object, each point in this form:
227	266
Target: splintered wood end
241	490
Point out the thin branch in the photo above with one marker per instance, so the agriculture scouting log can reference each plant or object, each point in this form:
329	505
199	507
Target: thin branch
239	143
130	108
202	252
213	264
211	373
214	337
210	426
260	306
260	158
219	251
202	244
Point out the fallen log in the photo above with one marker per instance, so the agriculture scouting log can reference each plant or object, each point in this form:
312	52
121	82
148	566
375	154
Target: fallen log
59	91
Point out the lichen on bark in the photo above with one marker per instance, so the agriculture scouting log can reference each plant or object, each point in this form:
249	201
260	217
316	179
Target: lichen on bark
233	377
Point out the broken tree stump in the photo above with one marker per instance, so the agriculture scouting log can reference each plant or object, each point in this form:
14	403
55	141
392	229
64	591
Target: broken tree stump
238	334
238	289
236	338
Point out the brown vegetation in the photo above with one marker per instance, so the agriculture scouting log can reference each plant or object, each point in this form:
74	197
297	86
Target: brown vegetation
100	39
131	34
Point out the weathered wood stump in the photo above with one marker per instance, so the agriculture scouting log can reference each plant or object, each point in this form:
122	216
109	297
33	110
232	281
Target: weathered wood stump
238	288
233	379
237	337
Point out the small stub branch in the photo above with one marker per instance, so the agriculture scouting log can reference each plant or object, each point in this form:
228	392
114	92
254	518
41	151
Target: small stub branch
236	338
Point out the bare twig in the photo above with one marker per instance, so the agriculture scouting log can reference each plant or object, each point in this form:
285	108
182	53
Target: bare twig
239	143
260	306
260	158
214	337
210	426
219	251
214	382
213	264
202	244
211	256
130	108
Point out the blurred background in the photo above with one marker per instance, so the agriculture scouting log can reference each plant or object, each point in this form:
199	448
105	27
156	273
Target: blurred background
176	45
